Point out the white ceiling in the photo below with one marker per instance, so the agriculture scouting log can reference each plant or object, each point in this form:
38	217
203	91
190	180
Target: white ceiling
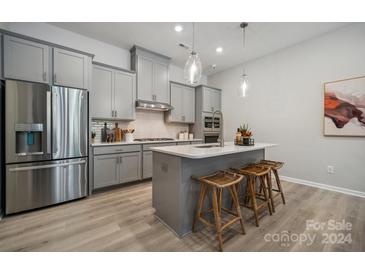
261	38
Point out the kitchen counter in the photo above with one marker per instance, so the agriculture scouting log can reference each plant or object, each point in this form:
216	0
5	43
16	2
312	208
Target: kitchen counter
175	193
143	142
198	152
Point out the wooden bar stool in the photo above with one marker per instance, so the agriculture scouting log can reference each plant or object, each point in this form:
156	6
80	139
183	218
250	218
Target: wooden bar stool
274	166
216	183
252	173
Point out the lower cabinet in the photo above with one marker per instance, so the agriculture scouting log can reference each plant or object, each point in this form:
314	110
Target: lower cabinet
147	164
113	169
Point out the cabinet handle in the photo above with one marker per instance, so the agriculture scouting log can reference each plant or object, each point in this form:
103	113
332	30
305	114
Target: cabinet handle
112	113
116	113
55	78
44	76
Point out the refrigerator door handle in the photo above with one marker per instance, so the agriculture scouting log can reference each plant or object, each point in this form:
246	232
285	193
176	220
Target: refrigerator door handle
49	127
46	166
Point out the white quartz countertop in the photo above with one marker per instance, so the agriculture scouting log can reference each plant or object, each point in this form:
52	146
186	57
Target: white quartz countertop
196	152
143	142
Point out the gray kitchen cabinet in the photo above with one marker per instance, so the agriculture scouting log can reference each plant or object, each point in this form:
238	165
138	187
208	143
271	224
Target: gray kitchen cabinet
152	75
176	114
113	169
130	167
145	79
147	164
106	170
188	105
26	60
211	99
101	96
124	95
71	69
183	101
113	93
161	82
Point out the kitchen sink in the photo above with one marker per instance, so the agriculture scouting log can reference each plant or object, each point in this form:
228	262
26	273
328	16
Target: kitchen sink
208	146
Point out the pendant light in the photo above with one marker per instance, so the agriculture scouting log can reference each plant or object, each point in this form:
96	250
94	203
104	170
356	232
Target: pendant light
243	81
193	66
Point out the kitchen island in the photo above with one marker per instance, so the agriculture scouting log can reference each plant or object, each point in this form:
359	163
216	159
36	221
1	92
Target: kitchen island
174	193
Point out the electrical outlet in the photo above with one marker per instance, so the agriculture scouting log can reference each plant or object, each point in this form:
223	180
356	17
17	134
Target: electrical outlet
330	169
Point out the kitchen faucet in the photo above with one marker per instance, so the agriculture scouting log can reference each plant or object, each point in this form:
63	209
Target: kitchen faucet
221	131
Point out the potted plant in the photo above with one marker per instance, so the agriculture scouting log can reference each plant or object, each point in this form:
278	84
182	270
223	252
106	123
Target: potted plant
246	134
93	135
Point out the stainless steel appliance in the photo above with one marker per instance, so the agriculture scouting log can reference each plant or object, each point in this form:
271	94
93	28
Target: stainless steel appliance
156	106
210	123
46	135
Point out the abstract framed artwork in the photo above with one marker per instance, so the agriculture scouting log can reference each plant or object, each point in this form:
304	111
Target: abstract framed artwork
344	107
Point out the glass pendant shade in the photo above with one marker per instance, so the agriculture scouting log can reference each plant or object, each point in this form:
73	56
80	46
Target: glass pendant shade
243	87
193	69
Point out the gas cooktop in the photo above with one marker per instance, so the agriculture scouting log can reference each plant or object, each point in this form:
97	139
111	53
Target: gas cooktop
153	139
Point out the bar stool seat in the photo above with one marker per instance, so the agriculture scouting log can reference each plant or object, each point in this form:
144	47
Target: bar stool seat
252	173
274	166
216	183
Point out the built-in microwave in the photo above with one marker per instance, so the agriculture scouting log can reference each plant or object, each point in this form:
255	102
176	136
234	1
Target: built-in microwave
209	125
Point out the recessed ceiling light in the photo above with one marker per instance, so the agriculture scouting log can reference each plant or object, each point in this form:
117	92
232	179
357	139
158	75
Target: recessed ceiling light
219	50
178	28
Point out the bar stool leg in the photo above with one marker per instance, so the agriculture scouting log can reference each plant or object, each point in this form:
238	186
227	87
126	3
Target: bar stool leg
202	193
269	184
217	218
265	190
251	182
278	182
219	192
234	195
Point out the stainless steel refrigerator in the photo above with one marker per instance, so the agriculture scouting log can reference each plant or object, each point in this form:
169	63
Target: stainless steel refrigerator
46	145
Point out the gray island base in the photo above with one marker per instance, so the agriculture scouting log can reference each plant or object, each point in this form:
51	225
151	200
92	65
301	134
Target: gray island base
174	193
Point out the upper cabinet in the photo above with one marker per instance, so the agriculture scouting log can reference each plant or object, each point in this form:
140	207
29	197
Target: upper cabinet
208	99
71	69
29	59
183	101
152	75
113	93
124	95
26	60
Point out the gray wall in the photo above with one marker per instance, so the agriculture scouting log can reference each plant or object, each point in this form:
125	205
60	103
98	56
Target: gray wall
285	106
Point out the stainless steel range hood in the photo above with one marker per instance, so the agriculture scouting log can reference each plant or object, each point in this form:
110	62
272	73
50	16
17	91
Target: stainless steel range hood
148	105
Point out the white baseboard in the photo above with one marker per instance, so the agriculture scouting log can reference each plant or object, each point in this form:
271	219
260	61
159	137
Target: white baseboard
324	186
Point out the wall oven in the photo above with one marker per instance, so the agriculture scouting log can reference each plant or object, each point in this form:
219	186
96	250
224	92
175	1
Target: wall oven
209	125
211	137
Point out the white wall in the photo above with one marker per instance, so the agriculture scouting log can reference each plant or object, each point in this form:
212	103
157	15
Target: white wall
108	54
285	106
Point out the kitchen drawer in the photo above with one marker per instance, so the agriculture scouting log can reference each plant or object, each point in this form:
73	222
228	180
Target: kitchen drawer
148	146
116	149
196	142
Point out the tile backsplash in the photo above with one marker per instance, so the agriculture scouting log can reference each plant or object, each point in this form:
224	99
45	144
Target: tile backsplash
147	124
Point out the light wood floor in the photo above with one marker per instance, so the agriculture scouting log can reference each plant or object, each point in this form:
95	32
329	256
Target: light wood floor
122	220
